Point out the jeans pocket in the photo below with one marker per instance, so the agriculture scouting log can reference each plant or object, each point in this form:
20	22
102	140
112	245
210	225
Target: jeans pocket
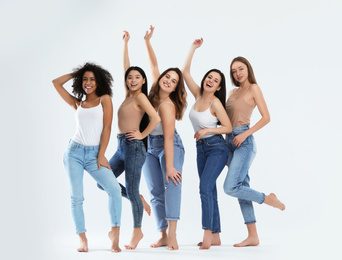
73	146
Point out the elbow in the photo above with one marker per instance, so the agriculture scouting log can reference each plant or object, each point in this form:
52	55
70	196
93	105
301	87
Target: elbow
229	129
267	119
54	82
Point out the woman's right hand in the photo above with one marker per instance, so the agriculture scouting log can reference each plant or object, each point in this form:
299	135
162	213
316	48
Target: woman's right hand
126	36
174	175
197	43
148	35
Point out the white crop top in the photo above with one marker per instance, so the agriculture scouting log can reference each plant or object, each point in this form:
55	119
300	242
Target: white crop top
89	125
159	128
203	120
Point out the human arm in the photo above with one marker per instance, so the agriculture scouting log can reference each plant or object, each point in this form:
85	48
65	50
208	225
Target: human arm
145	105
167	113
152	56
65	95
265	115
226	127
193	87
126	63
107	105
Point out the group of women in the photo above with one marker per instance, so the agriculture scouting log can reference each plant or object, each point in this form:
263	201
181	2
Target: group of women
148	141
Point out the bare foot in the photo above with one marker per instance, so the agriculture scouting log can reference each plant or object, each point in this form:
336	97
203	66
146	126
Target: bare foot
136	237
172	241
161	241
114	237
216	241
147	207
207	239
249	241
273	201
83	243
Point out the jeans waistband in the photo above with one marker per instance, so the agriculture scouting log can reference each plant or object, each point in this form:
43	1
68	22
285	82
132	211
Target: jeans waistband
88	147
205	140
240	129
156	137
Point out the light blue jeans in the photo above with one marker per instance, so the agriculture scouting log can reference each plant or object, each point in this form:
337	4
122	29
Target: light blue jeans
211	159
78	158
237	180
165	197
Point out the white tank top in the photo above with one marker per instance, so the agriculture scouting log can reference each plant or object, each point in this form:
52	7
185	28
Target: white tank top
203	120
159	128
89	125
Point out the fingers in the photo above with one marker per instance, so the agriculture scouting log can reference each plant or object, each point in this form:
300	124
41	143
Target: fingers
98	165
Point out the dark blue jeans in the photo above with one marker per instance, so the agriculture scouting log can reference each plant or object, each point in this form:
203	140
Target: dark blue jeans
130	157
212	155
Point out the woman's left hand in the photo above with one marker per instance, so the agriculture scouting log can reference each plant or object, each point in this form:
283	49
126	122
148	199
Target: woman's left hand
239	139
134	134
200	133
102	161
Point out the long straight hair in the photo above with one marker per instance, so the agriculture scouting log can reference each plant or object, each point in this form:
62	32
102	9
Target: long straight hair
145	119
221	93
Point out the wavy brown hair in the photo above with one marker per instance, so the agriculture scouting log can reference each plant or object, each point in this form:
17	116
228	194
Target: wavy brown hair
178	96
102	77
251	77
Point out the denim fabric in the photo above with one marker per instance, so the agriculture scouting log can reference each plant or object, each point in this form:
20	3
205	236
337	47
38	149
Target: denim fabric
237	180
165	197
78	158
130	157
211	159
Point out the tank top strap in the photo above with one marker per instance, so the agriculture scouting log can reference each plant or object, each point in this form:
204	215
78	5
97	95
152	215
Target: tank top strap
212	102
163	103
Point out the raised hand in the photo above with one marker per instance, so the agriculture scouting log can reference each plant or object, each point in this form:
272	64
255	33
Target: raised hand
126	36
197	43
148	35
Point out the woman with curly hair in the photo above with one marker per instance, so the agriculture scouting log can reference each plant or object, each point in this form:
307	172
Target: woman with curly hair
241	145
165	156
86	151
208	112
134	126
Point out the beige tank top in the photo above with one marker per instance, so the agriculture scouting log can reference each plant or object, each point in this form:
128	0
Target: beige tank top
239	111
129	117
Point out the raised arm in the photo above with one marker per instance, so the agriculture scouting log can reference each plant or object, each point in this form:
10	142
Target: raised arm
193	87
65	95
152	56
145	105
107	126
126	63
226	127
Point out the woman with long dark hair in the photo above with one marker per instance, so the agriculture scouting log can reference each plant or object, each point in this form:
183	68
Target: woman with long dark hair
165	155
94	112
208	112
241	145
133	128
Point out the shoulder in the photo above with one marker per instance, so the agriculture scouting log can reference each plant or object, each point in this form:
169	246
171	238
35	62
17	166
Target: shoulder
254	88
105	100
216	104
141	97
166	105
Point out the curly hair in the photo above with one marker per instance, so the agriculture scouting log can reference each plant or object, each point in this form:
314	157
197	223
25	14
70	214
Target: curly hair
178	97
103	80
251	77
220	94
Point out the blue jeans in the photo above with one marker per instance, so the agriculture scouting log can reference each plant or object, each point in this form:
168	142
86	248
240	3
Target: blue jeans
130	157
78	158
211	159
165	197
237	180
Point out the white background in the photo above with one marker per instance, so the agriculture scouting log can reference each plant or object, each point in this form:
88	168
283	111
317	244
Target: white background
294	47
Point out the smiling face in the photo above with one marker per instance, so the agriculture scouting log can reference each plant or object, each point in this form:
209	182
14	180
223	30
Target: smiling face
89	82
212	82
239	71
169	81
134	81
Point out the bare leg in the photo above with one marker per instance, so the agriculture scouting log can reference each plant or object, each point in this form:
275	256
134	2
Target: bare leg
216	240
171	235
147	207
252	239
207	239
136	237
83	243
114	237
273	201
161	241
